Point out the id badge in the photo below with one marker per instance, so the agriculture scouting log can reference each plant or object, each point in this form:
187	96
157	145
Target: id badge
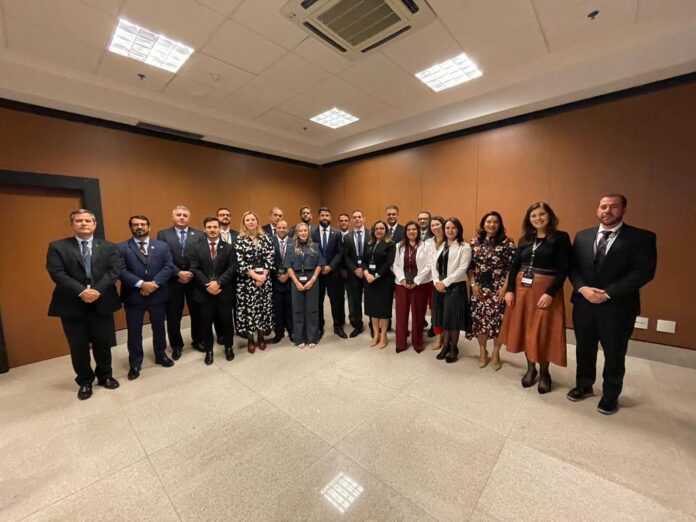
303	278
282	271
258	270
372	266
359	262
527	277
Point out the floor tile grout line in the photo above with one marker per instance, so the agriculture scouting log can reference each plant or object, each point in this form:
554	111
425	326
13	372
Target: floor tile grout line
490	474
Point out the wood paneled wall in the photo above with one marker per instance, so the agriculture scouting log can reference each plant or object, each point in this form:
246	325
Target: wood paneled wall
643	146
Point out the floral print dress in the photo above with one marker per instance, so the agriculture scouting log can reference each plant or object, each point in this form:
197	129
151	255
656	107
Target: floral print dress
490	263
254	304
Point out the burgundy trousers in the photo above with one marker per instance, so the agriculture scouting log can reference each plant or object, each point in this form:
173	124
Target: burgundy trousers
414	302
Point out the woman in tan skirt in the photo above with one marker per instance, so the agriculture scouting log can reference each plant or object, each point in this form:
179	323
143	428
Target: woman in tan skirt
534	321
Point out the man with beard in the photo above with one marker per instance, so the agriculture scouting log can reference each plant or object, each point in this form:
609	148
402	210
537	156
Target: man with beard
147	269
282	299
330	243
344	223
305	217
229	236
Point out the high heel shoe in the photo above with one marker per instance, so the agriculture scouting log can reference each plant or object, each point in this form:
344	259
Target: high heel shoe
453	355
443	353
383	341
496	364
438	343
375	342
484	363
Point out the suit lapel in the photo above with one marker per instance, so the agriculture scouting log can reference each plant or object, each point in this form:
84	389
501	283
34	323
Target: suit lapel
96	252
617	245
78	252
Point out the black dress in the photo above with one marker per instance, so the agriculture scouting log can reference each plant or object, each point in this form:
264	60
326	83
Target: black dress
451	307
378	259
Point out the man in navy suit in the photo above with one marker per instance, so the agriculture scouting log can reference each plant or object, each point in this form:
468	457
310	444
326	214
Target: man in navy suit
179	238
610	265
330	243
229	236
282	301
145	274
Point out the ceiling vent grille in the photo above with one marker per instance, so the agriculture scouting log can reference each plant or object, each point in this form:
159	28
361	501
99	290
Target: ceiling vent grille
356	27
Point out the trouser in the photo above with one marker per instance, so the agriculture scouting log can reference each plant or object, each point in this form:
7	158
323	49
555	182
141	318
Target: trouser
218	322
134	322
305	315
414	301
355	286
91	331
282	312
332	284
209	309
174	309
611	326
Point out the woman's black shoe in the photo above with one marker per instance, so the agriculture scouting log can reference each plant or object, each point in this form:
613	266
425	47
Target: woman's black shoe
544	383
529	377
443	353
453	355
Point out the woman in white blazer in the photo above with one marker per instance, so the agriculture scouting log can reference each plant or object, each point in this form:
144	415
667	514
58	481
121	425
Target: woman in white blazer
449	264
413	285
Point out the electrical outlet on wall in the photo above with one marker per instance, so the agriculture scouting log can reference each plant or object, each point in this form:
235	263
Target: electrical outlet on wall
666	326
641	323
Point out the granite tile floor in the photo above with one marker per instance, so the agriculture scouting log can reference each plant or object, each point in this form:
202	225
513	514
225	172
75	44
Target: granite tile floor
343	432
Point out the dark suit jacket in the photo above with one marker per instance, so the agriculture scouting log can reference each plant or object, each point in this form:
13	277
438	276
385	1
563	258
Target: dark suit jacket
398	234
629	265
65	266
334	247
171	237
158	267
233	236
269	231
279	287
350	254
205	270
382	255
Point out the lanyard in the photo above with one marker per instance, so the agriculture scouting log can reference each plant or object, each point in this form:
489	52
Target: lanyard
534	249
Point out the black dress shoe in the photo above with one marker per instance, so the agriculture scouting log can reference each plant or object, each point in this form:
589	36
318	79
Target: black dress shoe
199	347
85	392
356	332
133	373
425	325
276	339
109	383
608	406
176	352
431	332
164	361
340	333
544	383
443	353
453	355
529	378
229	353
578	393
220	341
209	358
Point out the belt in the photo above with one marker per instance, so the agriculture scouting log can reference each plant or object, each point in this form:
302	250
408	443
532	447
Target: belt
540	271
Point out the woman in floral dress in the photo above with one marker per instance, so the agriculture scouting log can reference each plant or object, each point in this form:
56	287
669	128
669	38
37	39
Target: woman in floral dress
488	271
254	292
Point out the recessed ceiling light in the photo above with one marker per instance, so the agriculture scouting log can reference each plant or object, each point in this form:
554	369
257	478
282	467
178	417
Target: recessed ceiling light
143	45
449	73
334	118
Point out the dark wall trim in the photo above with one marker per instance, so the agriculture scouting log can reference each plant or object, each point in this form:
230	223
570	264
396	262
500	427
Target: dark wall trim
543	113
91	199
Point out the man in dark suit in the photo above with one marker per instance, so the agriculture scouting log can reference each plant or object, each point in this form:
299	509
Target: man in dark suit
330	243
354	245
229	236
396	230
147	267
424	218
179	238
305	217
214	266
274	216
610	265
282	300
85	270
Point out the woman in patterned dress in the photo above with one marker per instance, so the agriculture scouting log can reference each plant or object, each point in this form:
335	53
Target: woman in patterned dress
254	293
490	264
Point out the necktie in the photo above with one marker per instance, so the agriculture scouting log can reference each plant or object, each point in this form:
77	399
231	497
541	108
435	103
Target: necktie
87	259
213	252
143	251
602	244
360	243
225	235
282	249
323	242
182	240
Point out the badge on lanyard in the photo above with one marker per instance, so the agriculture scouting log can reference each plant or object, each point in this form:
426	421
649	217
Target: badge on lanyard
303	278
528	277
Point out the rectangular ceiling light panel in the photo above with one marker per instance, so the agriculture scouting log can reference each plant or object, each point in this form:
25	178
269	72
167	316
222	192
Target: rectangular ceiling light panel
334	118
151	48
449	73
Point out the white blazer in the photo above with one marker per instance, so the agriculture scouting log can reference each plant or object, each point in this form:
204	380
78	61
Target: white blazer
457	262
423	257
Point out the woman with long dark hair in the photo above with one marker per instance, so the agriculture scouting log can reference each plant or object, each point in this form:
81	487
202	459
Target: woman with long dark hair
437	237
378	259
534	321
450	262
492	253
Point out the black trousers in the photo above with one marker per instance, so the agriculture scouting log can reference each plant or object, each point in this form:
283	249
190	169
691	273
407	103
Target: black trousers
218	323
611	326
91	331
208	311
333	284
355	286
282	312
174	310
134	322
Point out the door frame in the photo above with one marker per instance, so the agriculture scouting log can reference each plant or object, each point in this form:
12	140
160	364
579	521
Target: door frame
91	199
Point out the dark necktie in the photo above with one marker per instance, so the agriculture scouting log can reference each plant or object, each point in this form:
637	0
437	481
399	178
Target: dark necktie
213	252
602	244
282	250
360	243
323	242
143	250
87	259
182	240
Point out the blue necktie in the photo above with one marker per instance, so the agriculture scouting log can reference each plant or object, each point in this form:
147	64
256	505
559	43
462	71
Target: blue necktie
323	243
87	259
182	240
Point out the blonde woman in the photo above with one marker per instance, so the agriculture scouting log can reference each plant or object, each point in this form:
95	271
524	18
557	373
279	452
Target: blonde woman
254	292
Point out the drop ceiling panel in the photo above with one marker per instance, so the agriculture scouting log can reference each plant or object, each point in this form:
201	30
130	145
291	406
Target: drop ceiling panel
255	98
519	47
238	46
375	73
263	17
184	20
190	91
648	9
125	71
334	92
406	93
214	73
552	7
113	7
295	73
319	54
224	7
365	107
423	49
298	127
443	7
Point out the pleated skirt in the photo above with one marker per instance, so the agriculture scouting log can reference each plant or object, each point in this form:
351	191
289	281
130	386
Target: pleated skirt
451	308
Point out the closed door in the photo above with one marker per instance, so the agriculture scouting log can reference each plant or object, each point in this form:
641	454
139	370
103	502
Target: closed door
31	218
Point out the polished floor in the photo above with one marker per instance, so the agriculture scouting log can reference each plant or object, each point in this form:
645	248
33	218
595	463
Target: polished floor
343	432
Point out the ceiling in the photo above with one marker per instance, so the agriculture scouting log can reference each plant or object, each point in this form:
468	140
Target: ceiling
255	79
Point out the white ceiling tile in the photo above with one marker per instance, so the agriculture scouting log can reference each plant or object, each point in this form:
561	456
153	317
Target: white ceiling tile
405	93
572	27
484	21
323	97
214	73
374	73
263	17
282	121
552	7
187	90
186	21
254	98
423	49
322	55
517	47
443	7
364	107
221	6
293	72
125	70
80	21
648	9
239	46
113	7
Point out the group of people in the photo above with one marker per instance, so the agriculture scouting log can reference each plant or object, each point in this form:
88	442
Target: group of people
273	279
